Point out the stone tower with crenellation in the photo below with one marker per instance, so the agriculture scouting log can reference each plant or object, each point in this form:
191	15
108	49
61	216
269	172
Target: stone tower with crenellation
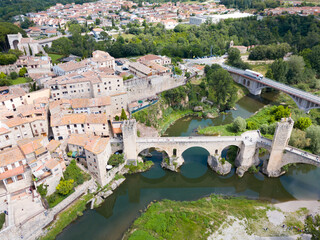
280	142
129	134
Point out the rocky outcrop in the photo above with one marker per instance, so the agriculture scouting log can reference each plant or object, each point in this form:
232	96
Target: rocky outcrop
172	163
219	166
198	109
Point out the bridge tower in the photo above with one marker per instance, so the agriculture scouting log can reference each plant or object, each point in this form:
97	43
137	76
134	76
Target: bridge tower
280	142
129	134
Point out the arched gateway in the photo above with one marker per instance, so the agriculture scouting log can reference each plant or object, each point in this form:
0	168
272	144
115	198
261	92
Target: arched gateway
248	143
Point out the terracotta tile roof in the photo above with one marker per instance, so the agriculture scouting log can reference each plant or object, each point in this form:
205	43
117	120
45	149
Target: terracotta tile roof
97	145
12	172
148	57
13	93
117	130
4	130
68	119
78	139
29	145
97	118
10	156
51	164
53	145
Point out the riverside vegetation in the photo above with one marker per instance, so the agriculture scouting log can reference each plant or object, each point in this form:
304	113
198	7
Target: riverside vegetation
199	219
214	93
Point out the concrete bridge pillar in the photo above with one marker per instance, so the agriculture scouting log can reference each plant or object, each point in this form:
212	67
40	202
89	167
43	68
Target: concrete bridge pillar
279	143
129	134
246	157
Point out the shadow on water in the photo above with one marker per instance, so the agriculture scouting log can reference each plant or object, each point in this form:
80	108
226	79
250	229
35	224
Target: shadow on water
195	180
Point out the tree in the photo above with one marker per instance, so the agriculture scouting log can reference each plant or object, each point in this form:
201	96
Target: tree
123	115
281	112
116	159
22	72
296	69
313	132
303	123
314	58
233	55
298	139
239	124
98	21
312	226
278	71
42	190
65	186
13	75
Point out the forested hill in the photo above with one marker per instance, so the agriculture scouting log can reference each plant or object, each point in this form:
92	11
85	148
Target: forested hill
10	8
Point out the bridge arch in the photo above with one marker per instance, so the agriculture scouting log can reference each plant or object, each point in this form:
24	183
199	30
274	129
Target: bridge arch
146	152
230	152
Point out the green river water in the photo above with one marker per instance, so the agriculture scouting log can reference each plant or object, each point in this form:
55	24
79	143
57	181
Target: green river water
195	180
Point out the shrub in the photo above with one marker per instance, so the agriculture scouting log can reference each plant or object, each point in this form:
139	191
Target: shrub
13	75
116	159
303	123
65	186
42	190
74	172
251	125
264	128
239	124
222	161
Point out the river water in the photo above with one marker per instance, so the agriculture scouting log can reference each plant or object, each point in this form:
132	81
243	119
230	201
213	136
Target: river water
195	180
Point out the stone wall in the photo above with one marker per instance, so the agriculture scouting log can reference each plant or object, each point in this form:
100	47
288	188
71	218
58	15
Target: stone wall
143	88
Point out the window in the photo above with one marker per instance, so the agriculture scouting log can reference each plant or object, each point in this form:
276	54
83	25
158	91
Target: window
7	137
13	165
40	124
34	125
20	177
75	125
20	163
5	168
22	126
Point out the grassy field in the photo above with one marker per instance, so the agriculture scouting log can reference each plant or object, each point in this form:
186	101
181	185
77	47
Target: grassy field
195	219
55	57
124	35
67	216
19	80
261	68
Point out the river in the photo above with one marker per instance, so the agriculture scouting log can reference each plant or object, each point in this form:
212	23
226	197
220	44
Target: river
195	180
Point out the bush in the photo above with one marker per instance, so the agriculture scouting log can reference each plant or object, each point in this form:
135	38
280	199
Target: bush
22	72
239	124
281	112
42	190
303	123
65	186
117	118
264	128
298	139
13	75
74	172
313	133
252	125
222	161
116	159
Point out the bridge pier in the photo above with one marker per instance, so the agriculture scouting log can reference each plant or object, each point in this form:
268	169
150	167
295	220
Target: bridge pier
280	142
129	134
247	156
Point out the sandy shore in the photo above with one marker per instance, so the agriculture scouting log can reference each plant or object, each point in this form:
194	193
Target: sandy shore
292	206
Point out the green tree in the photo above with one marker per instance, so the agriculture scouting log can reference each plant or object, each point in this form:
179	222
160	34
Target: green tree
298	139
239	124
313	132
42	190
123	115
278	71
22	72
13	75
98	21
281	112
312	226
116	159
303	123
233	55
314	58
295	69
65	186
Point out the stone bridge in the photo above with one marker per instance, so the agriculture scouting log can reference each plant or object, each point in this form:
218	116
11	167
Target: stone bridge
248	143
304	100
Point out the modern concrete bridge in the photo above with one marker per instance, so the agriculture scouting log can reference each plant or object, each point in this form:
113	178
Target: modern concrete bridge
248	143
304	100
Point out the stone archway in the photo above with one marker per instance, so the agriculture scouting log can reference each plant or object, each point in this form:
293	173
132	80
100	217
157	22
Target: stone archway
15	44
230	153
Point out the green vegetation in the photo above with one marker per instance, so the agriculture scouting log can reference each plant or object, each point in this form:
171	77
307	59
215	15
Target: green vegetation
42	190
123	115
235	60
2	220
116	159
65	187
20	80
66	217
312	226
10	9
10	57
141	167
193	220
256	4
239	124
73	176
265	118
55	57
7	28
273	51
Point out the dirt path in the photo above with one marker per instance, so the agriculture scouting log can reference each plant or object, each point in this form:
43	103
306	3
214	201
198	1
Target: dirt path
147	131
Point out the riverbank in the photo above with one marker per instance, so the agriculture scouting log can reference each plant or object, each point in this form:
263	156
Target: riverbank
218	217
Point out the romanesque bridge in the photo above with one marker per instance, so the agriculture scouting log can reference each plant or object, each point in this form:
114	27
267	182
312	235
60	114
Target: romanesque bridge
248	143
304	100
